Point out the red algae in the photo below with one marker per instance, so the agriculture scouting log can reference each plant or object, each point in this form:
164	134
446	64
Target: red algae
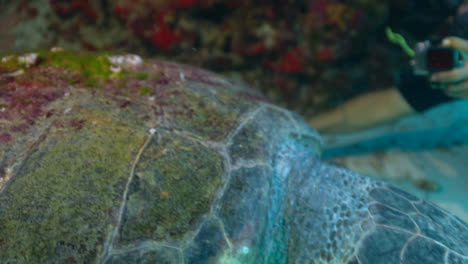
292	61
77	123
27	97
5	138
43	94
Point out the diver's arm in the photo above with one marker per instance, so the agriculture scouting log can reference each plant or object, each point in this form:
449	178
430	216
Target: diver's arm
362	112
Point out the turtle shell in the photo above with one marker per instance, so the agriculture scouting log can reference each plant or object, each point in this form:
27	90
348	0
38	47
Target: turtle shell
115	159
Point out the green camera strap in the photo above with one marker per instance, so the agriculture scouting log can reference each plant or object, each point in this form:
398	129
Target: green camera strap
399	40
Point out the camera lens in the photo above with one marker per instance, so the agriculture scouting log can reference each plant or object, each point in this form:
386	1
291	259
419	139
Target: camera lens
440	59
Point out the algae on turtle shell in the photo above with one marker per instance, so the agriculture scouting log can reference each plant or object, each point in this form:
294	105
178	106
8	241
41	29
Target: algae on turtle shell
115	159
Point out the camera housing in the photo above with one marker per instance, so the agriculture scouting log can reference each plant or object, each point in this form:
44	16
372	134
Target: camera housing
431	58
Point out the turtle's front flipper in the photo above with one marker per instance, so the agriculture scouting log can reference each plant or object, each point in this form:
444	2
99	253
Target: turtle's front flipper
420	231
338	216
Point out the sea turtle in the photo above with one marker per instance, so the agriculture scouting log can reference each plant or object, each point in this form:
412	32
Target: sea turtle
118	159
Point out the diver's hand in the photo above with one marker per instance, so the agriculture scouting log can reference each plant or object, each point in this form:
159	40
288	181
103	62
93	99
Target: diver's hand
454	82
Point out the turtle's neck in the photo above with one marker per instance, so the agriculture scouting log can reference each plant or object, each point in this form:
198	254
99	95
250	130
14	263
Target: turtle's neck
292	157
324	210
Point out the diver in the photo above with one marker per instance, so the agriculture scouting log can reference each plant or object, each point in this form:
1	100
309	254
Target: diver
437	74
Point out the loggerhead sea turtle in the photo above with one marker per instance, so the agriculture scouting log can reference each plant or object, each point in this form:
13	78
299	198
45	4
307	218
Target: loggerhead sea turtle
117	159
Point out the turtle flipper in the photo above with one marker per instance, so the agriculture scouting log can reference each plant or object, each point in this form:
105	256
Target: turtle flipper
406	229
339	216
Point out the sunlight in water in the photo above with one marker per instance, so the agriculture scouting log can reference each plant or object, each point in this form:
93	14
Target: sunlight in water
241	253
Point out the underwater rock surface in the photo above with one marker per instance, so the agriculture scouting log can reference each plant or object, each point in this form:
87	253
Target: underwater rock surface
108	158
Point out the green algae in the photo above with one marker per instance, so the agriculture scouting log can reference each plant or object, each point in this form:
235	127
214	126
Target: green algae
94	69
210	120
9	63
60	204
175	184
251	143
88	64
209	116
162	255
145	90
141	76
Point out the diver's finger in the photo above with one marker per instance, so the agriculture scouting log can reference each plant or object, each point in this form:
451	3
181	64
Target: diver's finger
461	94
454	75
456	43
457	87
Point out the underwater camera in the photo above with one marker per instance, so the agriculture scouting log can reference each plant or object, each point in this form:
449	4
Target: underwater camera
430	58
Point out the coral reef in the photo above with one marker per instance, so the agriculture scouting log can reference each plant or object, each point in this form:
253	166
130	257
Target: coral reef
306	54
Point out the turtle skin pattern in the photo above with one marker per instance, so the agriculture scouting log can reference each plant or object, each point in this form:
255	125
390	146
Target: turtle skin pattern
360	220
158	162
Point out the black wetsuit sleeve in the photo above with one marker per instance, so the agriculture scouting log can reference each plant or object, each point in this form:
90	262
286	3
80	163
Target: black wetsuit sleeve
418	93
